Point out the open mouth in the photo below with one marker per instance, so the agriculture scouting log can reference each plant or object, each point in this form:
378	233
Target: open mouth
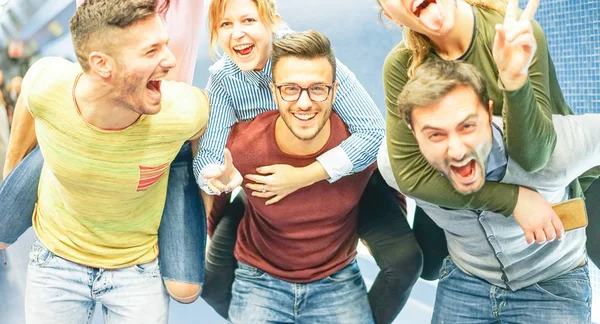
243	50
153	87
465	172
420	5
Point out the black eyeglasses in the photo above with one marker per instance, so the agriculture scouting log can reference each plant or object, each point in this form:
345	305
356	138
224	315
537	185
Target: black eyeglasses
317	92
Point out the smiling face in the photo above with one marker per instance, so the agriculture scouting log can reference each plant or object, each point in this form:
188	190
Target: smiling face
143	60
304	118
455	136
243	36
428	17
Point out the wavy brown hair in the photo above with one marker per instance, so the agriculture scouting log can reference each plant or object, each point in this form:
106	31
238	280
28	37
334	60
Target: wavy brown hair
420	45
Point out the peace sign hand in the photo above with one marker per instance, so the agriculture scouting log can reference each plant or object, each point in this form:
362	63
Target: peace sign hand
515	45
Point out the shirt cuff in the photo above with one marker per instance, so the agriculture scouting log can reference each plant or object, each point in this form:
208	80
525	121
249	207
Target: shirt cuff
203	185
336	163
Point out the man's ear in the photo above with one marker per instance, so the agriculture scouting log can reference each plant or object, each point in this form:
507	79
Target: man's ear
334	91
101	64
273	89
490	109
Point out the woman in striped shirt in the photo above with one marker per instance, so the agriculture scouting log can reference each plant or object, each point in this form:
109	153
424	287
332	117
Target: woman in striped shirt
238	88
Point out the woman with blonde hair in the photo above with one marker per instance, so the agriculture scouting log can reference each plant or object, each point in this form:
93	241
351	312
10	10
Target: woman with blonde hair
238	88
477	31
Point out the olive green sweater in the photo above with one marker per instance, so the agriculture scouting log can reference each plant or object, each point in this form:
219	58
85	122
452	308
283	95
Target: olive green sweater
528	129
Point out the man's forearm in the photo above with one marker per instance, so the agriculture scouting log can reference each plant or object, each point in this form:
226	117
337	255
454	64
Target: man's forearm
23	139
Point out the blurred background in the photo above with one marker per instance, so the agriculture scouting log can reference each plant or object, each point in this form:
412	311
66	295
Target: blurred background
31	29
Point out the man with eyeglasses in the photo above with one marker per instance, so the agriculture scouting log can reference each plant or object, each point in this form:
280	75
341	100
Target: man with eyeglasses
297	257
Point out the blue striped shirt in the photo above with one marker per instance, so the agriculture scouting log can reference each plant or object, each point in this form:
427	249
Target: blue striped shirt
237	95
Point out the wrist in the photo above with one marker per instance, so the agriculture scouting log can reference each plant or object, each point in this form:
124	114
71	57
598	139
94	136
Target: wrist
312	173
512	82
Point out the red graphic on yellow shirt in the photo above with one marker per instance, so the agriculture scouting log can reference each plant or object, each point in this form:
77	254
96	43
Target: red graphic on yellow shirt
149	175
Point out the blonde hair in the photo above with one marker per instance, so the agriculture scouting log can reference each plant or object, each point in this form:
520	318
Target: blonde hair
420	45
266	12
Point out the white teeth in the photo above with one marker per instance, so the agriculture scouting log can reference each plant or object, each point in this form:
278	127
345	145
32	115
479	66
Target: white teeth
304	116
241	47
416	4
461	164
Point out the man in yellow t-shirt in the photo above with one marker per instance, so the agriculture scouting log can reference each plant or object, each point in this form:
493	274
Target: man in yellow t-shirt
108	129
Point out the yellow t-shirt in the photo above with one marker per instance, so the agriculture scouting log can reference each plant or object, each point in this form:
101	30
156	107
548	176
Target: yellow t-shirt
102	193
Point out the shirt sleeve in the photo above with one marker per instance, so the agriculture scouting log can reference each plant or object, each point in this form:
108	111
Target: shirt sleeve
414	175
212	142
365	123
529	133
201	111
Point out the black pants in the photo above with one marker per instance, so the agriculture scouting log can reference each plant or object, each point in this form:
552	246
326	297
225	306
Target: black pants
382	225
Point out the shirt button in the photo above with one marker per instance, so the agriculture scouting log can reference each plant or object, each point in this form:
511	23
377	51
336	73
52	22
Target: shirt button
499	254
481	218
491	238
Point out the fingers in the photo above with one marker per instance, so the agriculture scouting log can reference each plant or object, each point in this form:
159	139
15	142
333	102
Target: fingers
540	236
529	237
257	178
228	159
212	171
258	187
259	194
558	227
216	186
520	28
510	14
274	200
266	169
530	10
549	232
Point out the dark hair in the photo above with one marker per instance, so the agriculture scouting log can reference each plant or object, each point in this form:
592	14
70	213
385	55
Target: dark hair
309	44
94	22
436	78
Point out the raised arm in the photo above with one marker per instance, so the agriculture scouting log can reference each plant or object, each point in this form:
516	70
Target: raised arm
525	71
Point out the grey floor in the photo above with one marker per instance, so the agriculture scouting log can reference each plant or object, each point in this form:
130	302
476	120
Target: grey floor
12	288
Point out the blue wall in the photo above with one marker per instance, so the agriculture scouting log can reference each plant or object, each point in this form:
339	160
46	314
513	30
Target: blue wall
572	28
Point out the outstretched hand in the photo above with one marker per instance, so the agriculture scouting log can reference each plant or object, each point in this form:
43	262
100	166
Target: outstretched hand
222	178
515	44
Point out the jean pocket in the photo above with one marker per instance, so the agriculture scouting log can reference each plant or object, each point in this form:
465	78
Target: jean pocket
573	286
348	273
448	268
248	271
39	255
151	268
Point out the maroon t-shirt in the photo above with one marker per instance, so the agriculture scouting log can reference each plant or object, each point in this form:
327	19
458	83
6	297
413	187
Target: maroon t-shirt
311	233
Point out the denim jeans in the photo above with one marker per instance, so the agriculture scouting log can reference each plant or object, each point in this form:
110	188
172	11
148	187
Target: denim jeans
340	298
62	292
182	232
381	223
462	298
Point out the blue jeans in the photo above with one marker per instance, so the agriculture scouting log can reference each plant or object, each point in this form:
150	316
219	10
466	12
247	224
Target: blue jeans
62	292
462	298
259	298
182	232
